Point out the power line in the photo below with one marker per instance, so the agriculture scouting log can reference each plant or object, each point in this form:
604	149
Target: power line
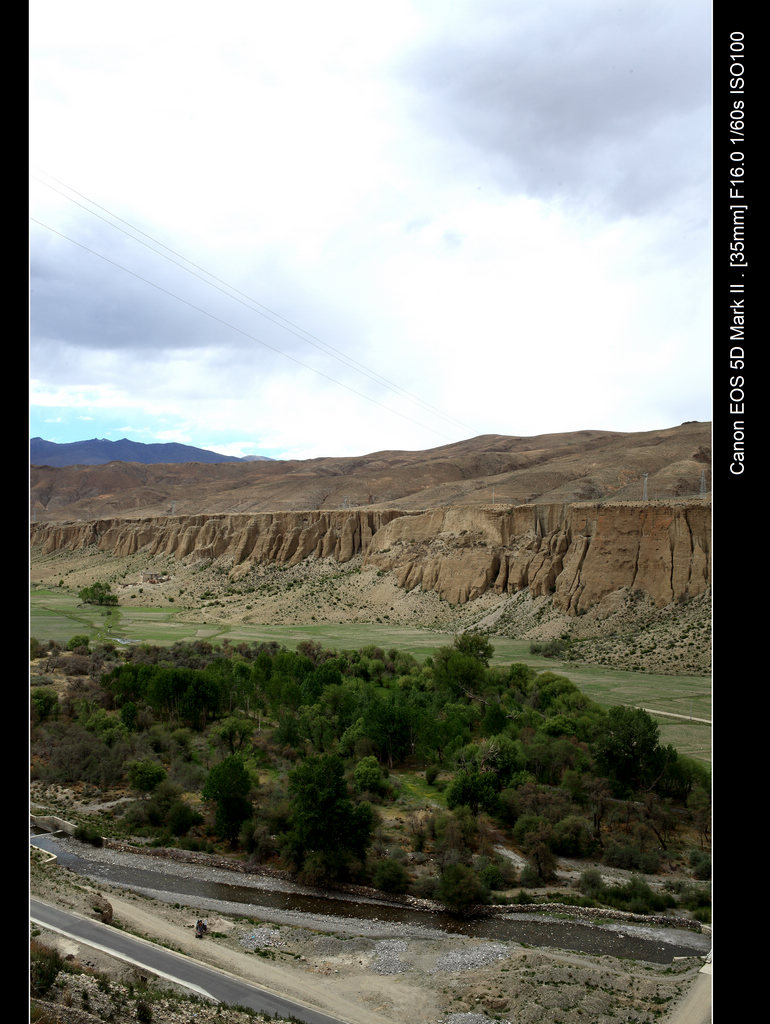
235	294
232	327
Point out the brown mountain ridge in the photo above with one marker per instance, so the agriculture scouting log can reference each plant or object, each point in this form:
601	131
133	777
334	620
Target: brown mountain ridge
586	465
601	537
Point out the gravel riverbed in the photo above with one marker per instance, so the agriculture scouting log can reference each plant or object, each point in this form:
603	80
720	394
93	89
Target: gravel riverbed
367	969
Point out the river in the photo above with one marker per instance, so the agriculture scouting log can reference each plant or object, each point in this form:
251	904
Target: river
282	901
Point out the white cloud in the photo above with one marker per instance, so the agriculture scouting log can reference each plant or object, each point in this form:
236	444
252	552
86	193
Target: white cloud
440	220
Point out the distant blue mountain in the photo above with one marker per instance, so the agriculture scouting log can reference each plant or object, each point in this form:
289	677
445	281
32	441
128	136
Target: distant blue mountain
99	451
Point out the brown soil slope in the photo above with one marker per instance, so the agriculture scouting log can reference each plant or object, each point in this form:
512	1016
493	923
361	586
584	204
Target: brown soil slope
587	465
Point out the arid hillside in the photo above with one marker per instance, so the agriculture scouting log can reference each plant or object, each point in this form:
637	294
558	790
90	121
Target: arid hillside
495	532
587	465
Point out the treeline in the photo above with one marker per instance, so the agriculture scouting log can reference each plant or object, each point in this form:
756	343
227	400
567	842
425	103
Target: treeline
524	751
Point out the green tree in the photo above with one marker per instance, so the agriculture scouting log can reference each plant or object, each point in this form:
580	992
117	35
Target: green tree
45	704
474	789
368	776
229	785
324	823
627	750
458	672
129	715
476	645
98	593
233	733
459	888
390	875
144	776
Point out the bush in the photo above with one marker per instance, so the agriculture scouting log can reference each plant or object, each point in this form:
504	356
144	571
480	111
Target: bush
700	862
391	876
629	856
181	818
489	874
551	648
530	879
45	964
573	837
89	834
146	775
368	777
591	884
45	704
459	889
496	874
143	1012
637	897
525	825
425	888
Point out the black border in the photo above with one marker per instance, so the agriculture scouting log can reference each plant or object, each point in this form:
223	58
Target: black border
738	222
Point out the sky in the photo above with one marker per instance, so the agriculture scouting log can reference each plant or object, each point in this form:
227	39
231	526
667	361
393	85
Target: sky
299	229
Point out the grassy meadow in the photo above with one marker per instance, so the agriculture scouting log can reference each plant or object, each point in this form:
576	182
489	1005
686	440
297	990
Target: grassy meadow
57	614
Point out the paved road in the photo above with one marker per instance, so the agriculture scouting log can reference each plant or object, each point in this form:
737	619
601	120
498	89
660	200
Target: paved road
202	980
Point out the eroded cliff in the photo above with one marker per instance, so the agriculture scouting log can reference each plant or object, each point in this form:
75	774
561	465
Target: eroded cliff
578	553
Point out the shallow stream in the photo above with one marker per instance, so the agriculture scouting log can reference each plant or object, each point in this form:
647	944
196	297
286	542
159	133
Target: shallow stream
281	901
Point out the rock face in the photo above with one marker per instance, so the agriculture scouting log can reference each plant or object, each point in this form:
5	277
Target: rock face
577	553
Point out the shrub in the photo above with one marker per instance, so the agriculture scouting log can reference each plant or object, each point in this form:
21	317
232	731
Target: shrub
45	704
256	839
146	775
637	897
459	888
700	862
391	876
591	884
368	778
45	964
89	834
629	856
573	837
143	1012
425	888
181	818
529	878
526	824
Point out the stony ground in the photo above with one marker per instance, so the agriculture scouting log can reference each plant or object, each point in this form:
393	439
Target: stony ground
366	972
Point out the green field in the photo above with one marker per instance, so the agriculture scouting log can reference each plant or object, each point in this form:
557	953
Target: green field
56	614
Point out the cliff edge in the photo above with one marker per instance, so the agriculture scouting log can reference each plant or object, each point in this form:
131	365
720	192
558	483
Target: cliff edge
578	553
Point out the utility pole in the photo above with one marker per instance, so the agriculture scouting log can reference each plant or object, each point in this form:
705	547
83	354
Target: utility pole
644	491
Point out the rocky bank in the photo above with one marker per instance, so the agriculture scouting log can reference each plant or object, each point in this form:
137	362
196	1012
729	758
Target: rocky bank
364	971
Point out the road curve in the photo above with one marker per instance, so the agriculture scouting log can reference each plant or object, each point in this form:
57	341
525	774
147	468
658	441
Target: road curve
202	980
